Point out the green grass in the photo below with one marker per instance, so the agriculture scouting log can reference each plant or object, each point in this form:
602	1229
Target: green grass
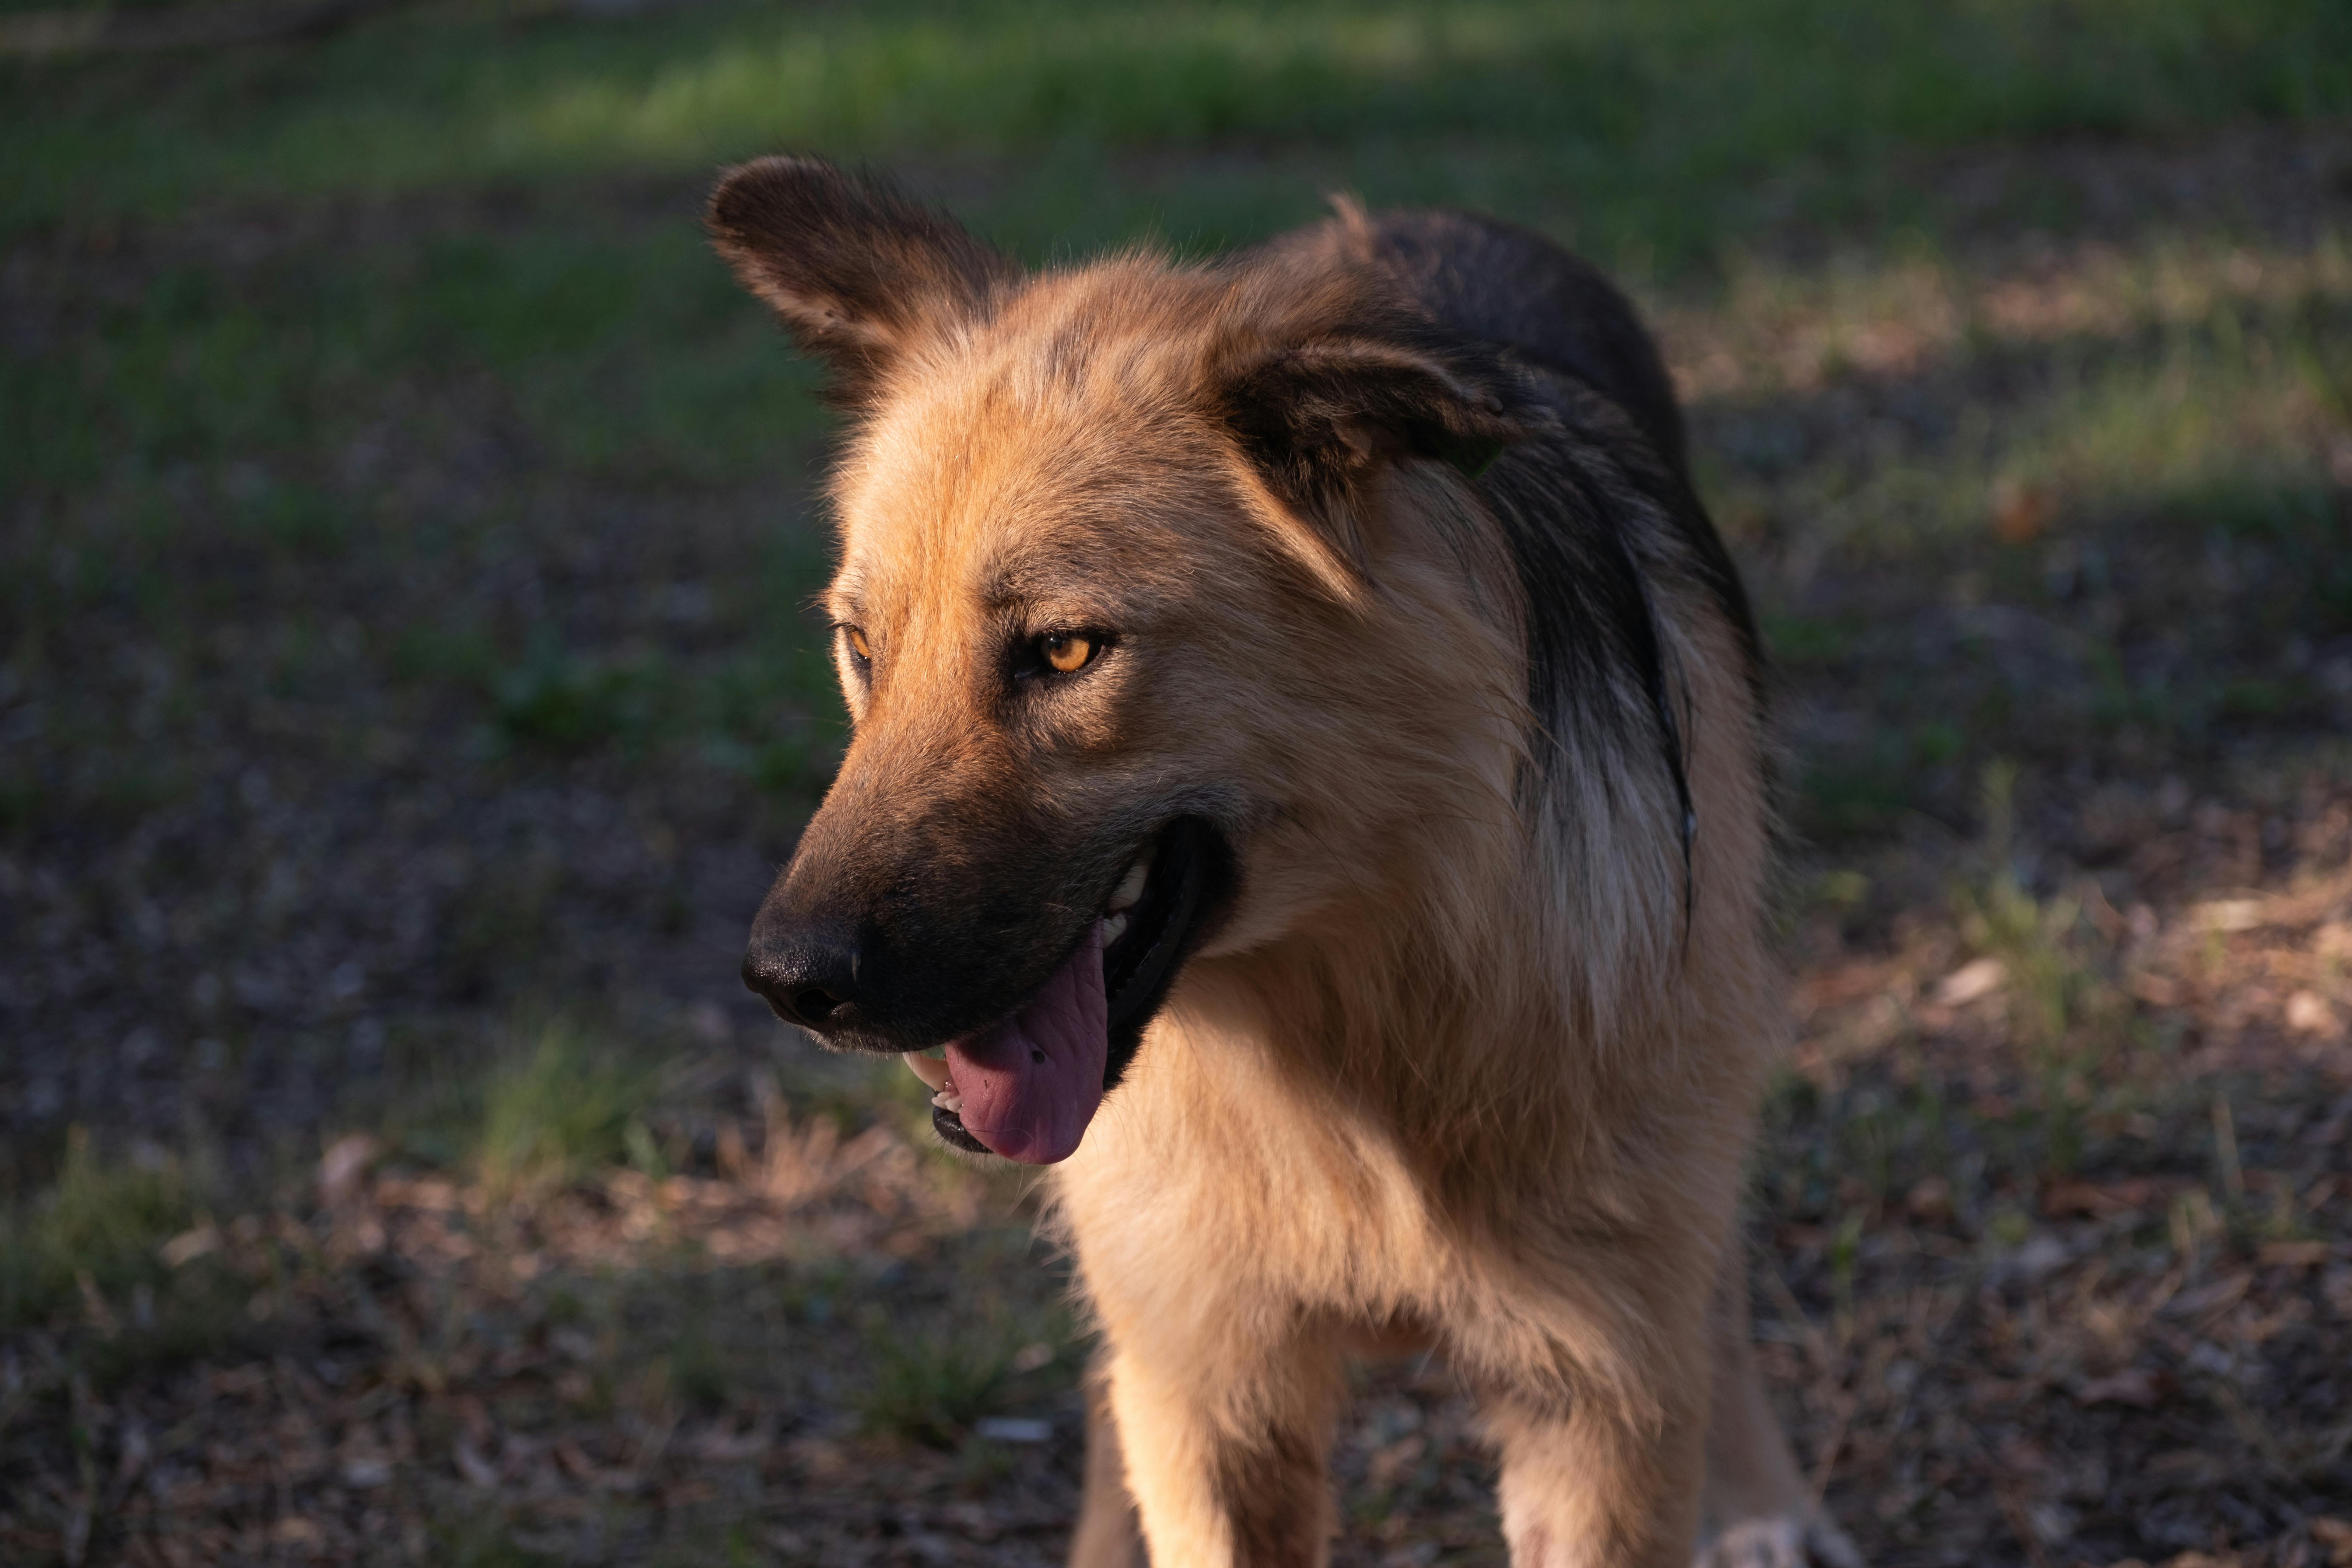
2224	418
556	1109
395	494
87	1251
604	340
102	1220
622	354
931	1388
1641	113
351	374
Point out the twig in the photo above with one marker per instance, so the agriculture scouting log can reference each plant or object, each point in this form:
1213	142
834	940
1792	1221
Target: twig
1826	1465
1784	1302
2225	1149
2021	1523
85	1506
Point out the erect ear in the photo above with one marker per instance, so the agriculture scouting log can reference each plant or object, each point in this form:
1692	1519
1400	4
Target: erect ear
1318	417
856	269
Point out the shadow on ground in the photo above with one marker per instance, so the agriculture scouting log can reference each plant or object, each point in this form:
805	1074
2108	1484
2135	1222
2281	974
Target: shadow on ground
409	689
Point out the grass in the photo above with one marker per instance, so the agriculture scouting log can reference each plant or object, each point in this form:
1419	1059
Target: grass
97	1232
555	1110
407	687
623	351
2168	391
933	1388
1622	105
200	412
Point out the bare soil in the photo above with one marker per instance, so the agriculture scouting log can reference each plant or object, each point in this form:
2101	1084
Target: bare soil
2052	1218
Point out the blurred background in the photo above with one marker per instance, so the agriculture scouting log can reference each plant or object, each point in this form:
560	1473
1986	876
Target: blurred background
408	686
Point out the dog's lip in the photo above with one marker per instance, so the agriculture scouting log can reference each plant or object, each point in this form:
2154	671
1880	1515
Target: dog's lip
1162	918
1123	960
1153	921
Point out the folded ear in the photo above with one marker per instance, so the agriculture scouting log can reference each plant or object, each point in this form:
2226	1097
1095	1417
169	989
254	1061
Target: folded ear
1318	418
856	269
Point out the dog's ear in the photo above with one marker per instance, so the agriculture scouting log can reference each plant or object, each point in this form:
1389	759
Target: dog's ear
856	269
1317	418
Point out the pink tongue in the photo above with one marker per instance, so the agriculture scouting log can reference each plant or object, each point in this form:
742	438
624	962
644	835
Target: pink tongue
1030	1084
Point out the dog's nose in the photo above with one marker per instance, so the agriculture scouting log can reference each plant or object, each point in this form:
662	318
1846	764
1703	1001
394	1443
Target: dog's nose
809	978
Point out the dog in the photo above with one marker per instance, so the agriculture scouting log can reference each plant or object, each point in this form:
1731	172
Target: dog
1310	773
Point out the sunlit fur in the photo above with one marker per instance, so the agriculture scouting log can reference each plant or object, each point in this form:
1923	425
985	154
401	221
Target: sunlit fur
1462	1067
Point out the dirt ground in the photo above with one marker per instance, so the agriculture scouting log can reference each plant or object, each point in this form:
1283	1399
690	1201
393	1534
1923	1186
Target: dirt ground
2053	1209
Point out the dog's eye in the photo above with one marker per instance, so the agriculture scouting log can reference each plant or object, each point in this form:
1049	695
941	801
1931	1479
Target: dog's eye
1067	652
857	644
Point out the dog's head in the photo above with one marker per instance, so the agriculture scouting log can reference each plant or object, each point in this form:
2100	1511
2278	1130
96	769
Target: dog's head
1111	543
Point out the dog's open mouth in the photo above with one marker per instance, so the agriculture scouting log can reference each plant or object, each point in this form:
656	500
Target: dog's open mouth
1026	1088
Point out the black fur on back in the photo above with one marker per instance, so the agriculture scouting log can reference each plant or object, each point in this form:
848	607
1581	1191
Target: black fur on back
1512	289
1594	519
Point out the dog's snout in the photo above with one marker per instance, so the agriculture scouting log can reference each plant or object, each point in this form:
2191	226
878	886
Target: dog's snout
809	978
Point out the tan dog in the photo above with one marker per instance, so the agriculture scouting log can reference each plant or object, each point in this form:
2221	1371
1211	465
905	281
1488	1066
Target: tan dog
1308	774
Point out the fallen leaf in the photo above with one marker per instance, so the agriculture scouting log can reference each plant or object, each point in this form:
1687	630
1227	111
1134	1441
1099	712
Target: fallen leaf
1970	982
2141	1390
2211	1297
2042	1254
94	1302
2309	1012
366	1473
2231	914
1013	1430
2020	510
1394	1462
721	1445
823	1460
343	1166
1931	1199
471	1464
189	1246
2294	1254
2093	1200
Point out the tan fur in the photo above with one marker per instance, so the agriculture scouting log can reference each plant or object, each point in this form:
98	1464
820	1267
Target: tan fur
1453	1071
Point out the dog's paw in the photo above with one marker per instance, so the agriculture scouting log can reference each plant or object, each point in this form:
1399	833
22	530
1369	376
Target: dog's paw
1784	1542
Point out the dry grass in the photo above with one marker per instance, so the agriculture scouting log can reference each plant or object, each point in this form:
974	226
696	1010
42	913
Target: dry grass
2051	1229
387	799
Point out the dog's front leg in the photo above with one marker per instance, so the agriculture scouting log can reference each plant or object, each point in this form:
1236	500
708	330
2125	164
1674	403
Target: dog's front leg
1109	1535
1585	1486
1225	1454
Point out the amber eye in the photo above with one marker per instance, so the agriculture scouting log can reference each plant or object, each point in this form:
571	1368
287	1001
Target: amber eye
1066	651
857	644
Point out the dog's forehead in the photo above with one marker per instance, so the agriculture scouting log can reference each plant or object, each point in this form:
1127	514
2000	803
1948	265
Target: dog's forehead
1006	481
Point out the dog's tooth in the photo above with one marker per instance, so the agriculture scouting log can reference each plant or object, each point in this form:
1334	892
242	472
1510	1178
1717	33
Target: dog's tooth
932	1071
947	1100
1130	887
1113	927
